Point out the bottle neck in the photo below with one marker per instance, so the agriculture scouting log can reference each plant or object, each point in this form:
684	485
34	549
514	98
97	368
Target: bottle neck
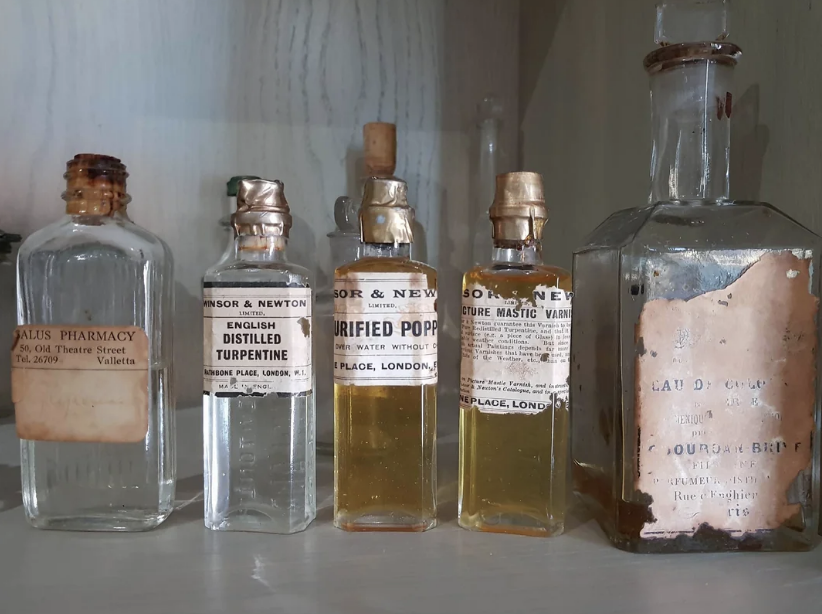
489	160
93	201
254	248
386	250
512	252
691	110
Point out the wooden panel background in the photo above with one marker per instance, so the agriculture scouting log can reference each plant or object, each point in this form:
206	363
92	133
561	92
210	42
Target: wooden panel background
190	92
585	109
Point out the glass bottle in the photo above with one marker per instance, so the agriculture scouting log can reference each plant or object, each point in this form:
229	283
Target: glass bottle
91	362
693	376
258	379
487	165
345	248
516	342
385	374
6	242
380	150
8	316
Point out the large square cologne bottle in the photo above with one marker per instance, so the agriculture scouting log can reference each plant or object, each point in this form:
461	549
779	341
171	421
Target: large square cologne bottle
385	374
91	362
694	389
258	378
516	344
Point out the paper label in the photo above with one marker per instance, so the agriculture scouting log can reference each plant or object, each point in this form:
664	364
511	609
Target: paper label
256	339
385	330
515	352
725	395
80	383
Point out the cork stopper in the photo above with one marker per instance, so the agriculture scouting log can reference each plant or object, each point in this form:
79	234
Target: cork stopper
95	185
262	209
518	213
385	215
380	146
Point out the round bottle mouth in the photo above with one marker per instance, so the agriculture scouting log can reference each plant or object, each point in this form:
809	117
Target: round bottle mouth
670	56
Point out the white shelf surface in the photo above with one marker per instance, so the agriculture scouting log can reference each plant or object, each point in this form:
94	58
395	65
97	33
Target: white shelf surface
182	568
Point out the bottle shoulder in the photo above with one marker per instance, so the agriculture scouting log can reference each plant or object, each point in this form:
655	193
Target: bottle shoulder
703	226
234	270
386	265
531	275
77	234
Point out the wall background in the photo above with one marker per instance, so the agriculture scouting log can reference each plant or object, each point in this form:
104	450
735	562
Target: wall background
190	92
585	111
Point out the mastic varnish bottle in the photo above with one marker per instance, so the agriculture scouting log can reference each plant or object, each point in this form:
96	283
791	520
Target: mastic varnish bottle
91	362
516	341
385	374
258	378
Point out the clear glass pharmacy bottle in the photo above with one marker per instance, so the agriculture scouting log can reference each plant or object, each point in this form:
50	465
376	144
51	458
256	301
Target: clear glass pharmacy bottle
258	376
385	374
91	362
694	390
516	343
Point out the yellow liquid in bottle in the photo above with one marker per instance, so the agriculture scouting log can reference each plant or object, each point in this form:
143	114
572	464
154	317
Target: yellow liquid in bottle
513	466
385	442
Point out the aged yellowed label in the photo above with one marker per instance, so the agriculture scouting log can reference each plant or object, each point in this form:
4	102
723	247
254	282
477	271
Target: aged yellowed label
515	352
725	393
80	383
385	330
256	339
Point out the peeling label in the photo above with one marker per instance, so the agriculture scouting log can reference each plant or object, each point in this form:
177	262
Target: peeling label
515	352
256	339
385	330
80	383
725	395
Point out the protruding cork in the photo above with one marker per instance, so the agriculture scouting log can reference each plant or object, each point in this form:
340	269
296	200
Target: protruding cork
518	213
385	215
380	146
262	209
95	185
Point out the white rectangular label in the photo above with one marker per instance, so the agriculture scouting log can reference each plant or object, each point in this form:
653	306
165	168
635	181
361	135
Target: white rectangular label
515	352
385	330
256	339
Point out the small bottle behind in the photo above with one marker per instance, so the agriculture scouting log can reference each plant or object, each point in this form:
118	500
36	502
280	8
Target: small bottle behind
258	377
91	362
344	242
232	186
385	374
516	337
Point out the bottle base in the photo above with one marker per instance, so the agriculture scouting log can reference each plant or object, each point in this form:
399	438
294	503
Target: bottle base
258	522
512	524
394	522
699	544
122	521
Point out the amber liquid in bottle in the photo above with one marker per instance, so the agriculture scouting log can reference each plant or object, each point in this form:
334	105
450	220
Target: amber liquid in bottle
513	466
385	440
516	320
385	363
